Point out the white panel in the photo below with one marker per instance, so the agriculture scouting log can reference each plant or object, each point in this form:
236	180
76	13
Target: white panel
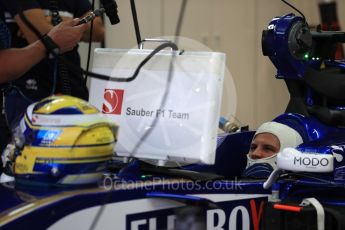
187	122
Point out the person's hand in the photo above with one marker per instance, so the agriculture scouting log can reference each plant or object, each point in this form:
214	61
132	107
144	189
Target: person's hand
67	34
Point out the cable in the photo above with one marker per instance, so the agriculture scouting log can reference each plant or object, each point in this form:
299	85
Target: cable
89	45
180	20
135	21
136	72
54	77
289	4
29	24
29	100
61	67
64	77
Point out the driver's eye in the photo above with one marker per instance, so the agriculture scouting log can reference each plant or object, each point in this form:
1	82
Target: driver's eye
269	149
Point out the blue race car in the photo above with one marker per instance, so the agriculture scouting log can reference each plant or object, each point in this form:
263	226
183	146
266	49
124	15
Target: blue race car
306	191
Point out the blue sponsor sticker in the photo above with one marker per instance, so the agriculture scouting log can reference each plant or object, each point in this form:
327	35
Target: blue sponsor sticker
46	137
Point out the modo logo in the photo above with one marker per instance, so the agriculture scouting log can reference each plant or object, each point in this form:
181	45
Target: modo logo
113	99
311	161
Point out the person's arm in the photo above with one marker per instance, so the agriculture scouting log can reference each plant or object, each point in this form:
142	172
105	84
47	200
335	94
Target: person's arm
38	19
97	31
15	62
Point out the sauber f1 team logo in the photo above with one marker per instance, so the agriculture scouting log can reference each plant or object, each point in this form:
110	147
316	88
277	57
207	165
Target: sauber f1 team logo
112	101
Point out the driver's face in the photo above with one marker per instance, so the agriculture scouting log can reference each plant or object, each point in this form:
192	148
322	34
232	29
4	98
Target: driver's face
264	145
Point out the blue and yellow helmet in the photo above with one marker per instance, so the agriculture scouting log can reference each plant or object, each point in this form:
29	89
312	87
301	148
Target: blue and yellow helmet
65	141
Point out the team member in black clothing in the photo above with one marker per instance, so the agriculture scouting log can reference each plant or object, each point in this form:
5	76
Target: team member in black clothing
15	62
49	76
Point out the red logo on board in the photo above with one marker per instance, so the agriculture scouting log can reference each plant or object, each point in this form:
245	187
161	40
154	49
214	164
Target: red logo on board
112	101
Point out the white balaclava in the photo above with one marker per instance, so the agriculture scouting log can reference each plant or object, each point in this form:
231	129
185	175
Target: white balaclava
287	136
